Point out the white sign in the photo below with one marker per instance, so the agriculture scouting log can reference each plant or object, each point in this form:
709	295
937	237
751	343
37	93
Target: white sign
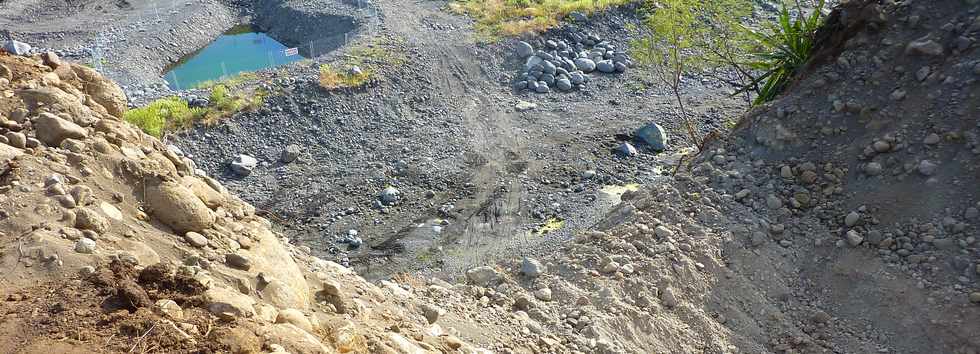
291	51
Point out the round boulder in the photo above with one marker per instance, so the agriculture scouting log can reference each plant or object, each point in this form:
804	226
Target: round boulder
585	64
178	207
524	49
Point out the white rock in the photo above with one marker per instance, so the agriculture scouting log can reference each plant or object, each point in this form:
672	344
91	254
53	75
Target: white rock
543	294
85	245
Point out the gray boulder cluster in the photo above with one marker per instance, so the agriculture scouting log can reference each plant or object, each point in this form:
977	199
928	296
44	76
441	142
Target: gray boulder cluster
565	65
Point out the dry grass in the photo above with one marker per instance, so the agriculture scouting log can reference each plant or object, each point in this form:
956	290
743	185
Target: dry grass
333	79
496	18
370	58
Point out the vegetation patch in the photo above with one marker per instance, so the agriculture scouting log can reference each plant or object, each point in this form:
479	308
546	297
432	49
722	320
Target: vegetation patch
361	65
782	49
173	113
552	224
332	79
497	18
163	115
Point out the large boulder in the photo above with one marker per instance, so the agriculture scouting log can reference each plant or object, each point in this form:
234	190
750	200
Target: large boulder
178	207
103	91
653	135
52	130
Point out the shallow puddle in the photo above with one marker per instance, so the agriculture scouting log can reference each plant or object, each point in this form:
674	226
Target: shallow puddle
240	49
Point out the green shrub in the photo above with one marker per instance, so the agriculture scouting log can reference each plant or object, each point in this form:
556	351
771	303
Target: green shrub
173	113
162	115
782	49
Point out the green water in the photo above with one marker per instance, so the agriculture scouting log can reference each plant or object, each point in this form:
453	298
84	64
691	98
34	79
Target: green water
240	49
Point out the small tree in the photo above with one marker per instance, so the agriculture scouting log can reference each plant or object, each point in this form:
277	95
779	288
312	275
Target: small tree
691	36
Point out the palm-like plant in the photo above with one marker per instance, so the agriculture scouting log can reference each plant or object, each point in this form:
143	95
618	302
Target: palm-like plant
782	50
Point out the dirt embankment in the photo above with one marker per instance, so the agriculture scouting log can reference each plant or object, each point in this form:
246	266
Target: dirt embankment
110	242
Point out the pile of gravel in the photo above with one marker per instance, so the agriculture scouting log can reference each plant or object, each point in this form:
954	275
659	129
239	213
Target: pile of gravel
565	64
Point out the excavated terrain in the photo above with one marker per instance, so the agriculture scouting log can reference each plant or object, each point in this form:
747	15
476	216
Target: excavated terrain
841	217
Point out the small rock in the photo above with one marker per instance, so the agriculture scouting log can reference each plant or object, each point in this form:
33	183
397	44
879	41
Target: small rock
931	139
52	130
483	276
975	297
927	168
296	318
85	245
854	238
290	153
578	17
852	218
606	66
585	64
195	239
524	106
389	195
663	232
532	268
169	308
16	139
882	146
872	168
243	164
432	313
773	202
543	294
627	150
925	47
238	261
668	297
786	172
88	219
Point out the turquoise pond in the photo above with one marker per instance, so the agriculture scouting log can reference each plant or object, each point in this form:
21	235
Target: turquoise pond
238	50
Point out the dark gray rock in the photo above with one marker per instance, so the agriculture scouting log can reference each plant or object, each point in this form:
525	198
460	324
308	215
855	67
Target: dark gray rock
238	261
653	135
606	66
585	64
524	49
